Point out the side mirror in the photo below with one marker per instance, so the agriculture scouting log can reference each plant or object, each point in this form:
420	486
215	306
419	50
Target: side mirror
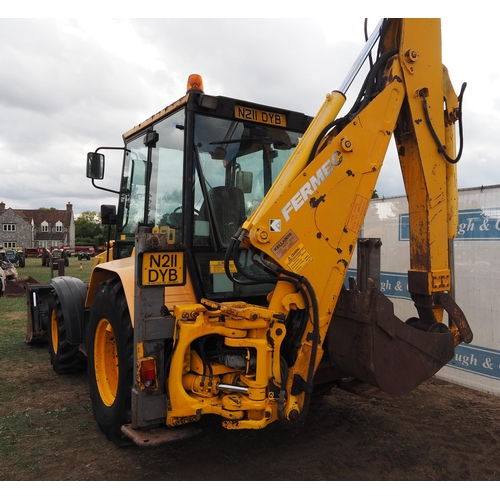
108	214
244	181
95	166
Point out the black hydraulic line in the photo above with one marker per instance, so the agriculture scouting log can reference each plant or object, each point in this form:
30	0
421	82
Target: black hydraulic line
363	99
366	92
206	363
306	290
441	147
232	252
304	283
366	39
282	394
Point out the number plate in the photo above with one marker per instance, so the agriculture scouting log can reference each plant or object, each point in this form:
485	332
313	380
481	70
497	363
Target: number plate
163	268
260	116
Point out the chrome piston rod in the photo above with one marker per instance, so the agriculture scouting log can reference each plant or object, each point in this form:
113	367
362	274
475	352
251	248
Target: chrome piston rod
361	58
232	388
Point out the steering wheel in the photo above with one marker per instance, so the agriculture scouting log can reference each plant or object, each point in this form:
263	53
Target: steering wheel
178	210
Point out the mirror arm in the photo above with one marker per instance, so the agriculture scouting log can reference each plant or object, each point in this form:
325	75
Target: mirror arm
123	148
104	189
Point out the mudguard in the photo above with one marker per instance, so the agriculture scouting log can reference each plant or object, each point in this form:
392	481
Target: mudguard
72	293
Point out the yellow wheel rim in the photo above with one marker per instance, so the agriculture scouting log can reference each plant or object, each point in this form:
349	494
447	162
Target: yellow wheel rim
106	362
54	331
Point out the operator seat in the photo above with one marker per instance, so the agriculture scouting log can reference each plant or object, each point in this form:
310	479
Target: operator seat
228	207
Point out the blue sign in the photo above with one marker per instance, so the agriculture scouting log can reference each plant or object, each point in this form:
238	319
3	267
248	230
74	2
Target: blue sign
476	224
393	285
478	360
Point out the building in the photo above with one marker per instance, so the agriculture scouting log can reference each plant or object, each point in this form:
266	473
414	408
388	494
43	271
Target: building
37	228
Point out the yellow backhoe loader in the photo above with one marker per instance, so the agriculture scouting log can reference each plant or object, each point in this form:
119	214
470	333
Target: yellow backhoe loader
223	289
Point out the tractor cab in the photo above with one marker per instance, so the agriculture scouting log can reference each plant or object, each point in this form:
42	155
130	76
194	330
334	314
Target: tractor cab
192	174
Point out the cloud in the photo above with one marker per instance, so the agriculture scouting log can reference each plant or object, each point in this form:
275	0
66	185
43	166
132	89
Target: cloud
69	86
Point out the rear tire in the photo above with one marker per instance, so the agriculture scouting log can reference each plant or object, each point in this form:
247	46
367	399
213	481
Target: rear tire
65	357
110	358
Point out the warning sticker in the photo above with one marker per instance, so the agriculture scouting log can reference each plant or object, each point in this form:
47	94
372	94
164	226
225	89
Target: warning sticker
299	259
217	267
357	215
285	244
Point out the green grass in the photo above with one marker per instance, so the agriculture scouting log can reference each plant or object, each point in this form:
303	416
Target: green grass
35	403
13	310
42	274
13	323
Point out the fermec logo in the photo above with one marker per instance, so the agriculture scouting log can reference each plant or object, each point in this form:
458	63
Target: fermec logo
306	191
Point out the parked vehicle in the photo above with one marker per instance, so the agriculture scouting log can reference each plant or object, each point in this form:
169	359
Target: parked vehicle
15	257
9	270
54	255
11	255
84	255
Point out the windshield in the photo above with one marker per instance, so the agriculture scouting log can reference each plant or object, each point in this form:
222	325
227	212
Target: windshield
237	164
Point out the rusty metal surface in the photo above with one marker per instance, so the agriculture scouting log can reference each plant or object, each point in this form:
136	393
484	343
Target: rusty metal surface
367	341
456	314
159	435
17	287
368	262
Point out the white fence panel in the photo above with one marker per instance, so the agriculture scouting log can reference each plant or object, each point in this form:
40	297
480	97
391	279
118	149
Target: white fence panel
477	278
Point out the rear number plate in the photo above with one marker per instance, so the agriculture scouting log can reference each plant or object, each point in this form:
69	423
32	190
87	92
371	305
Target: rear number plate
163	268
260	116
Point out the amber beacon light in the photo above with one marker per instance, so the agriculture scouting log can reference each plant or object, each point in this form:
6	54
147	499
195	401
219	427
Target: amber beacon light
195	82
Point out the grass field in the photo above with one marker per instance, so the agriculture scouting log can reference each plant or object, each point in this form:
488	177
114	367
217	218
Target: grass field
30	415
42	274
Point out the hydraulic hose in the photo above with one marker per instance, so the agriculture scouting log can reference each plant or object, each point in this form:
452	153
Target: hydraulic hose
441	147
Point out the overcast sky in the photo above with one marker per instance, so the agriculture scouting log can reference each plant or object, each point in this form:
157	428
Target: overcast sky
68	86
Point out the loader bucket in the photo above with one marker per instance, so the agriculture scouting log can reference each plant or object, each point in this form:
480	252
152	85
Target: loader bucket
17	287
368	342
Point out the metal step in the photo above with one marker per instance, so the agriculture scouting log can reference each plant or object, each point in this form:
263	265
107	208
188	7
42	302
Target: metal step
158	435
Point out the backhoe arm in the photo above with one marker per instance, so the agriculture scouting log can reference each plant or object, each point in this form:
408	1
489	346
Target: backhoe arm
320	200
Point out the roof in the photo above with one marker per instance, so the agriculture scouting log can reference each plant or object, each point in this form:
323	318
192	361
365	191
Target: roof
49	216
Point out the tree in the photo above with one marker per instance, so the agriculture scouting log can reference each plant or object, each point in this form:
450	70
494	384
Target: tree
375	194
87	228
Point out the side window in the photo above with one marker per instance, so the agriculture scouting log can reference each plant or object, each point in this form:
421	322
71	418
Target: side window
154	195
134	187
165	209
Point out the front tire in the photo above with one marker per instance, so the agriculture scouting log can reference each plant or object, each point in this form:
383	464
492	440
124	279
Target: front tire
110	358
65	357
